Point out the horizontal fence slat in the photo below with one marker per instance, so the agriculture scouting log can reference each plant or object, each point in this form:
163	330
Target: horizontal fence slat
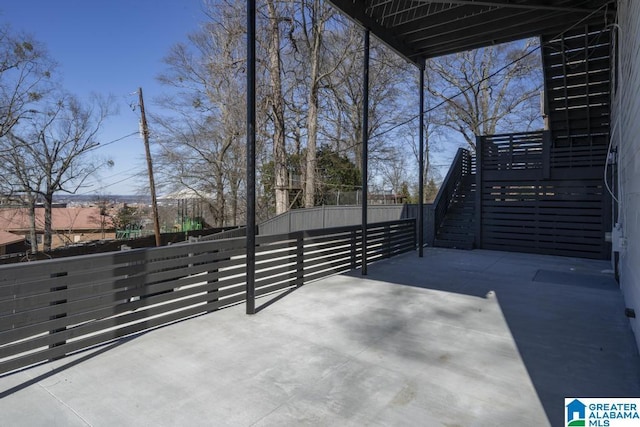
52	308
120	306
110	335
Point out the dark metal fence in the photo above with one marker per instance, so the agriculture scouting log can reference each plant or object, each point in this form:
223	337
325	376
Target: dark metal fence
537	197
328	216
429	229
226	234
115	245
53	308
522	154
460	167
340	216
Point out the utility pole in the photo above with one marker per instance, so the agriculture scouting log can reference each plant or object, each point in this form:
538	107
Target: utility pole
152	186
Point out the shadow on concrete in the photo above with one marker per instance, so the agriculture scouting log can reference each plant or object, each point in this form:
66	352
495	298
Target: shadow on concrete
272	299
565	315
91	353
454	338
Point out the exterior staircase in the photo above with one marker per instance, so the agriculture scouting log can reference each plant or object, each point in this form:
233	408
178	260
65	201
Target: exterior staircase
457	229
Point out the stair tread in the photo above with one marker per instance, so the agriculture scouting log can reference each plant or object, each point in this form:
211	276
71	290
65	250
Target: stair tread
457	229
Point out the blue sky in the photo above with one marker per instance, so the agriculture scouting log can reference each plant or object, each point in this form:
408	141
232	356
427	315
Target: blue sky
113	47
109	47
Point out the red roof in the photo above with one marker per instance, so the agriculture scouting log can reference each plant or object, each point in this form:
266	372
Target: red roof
62	219
7	238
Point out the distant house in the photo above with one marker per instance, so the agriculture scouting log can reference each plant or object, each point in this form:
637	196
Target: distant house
11	243
69	224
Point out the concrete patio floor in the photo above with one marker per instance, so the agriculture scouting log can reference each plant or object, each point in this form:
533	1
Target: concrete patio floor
457	338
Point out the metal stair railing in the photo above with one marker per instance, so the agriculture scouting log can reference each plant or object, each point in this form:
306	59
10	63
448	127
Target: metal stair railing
460	167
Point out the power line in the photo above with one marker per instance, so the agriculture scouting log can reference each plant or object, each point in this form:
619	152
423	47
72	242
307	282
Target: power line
8	150
137	174
112	142
118	174
451	98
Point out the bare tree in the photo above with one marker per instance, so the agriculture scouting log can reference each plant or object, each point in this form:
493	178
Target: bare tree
102	219
387	110
24	180
200	143
314	15
481	96
276	104
46	152
25	79
432	133
395	171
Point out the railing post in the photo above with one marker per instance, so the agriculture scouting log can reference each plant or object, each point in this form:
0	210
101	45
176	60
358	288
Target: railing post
365	147
213	292
124	248
387	241
413	232
421	172
546	154
250	287
467	162
510	151
353	252
324	222
300	260
58	316
478	199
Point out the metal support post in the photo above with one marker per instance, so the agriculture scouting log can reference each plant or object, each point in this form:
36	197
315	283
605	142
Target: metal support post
365	147
421	173
479	189
251	157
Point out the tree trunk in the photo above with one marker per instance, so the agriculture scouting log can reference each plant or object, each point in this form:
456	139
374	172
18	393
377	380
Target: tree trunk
317	27
277	106
357	147
234	204
33	238
312	128
48	206
220	205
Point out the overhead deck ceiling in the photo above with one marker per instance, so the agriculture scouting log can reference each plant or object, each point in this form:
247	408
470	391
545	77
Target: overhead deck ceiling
422	29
